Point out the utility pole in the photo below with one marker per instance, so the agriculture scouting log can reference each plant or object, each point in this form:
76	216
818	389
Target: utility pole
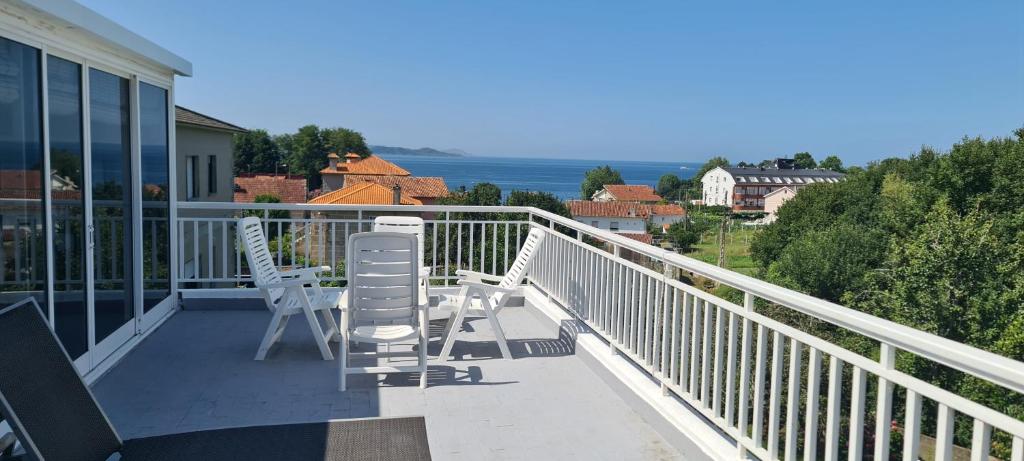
721	243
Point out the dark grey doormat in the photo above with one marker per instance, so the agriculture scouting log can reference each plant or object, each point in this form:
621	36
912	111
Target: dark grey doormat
380	439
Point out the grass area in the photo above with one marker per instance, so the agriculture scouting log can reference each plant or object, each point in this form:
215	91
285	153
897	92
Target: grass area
737	249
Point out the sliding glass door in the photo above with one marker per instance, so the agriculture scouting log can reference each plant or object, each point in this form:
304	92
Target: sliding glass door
111	203
155	193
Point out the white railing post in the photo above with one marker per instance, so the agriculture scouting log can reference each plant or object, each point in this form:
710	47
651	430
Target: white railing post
887	357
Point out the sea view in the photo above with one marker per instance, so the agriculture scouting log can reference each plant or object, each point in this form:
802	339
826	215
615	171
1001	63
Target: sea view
561	177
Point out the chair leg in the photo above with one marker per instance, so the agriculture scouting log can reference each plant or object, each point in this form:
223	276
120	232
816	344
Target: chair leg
456	324
342	359
318	334
424	337
448	326
333	333
499	334
272	334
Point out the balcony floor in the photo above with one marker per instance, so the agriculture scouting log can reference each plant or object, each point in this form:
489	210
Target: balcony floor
197	372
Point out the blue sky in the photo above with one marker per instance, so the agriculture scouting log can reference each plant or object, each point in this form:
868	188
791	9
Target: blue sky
653	81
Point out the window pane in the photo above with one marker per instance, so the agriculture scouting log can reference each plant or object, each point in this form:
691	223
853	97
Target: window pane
64	87
109	127
22	224
156	268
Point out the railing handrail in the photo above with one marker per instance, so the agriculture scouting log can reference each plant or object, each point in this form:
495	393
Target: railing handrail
992	367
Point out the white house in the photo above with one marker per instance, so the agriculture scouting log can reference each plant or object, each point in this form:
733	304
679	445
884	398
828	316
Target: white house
86	100
745	189
628	218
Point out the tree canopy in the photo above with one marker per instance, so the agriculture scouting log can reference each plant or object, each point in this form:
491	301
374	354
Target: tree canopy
303	152
596	179
804	160
833	163
711	164
255	152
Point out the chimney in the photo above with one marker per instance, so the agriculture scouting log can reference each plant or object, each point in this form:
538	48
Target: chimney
352	158
332	160
396	195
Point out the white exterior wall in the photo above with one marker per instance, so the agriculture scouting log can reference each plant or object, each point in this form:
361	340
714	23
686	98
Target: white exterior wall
717	186
626	225
602	196
773	201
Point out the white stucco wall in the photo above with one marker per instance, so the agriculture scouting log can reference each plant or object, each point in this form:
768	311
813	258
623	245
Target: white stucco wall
626	225
775	200
717	186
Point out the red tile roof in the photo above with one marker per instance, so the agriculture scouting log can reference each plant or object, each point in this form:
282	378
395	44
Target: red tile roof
642	238
419	187
608	209
365	193
370	165
287	188
632	193
668	210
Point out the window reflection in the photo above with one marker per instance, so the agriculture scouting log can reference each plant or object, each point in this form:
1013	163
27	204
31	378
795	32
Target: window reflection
22	225
155	207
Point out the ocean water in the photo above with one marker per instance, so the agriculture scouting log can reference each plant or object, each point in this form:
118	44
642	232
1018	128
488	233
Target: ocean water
560	177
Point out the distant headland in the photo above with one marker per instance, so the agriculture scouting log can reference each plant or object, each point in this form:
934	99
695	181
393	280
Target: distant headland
385	151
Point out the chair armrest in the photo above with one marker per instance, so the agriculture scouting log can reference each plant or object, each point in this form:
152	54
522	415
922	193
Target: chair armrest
486	287
474	275
426	271
286	283
305	272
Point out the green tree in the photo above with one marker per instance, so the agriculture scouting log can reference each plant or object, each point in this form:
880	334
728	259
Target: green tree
686	233
543	200
255	152
484	194
833	163
344	140
308	154
597	178
804	160
827	263
709	165
669	185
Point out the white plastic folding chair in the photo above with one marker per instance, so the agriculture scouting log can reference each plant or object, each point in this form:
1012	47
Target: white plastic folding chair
477	298
286	293
384	305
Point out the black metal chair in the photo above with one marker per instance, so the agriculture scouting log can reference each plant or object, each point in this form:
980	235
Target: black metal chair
56	417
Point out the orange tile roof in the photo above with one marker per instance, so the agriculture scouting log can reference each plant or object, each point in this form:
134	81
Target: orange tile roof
668	210
369	165
415	186
642	238
367	193
608	209
287	188
632	193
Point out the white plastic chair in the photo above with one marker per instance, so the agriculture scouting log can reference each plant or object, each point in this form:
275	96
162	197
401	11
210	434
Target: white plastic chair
384	303
285	292
480	299
407	225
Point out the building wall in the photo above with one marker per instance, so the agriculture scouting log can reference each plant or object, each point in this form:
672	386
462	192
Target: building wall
331	182
717	186
662	220
202	143
627	225
603	196
774	201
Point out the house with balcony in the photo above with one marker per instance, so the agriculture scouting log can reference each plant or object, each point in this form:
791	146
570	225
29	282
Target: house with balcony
743	189
602	357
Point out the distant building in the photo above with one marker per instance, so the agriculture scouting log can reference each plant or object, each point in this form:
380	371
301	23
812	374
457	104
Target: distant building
205	156
744	189
428	190
628	218
773	200
288	188
627	193
333	176
366	193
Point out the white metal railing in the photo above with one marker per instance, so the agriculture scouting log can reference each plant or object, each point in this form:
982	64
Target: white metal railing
762	382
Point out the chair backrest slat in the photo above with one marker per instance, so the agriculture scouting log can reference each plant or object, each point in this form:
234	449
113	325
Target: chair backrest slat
257	254
404	225
517	271
50	408
383	277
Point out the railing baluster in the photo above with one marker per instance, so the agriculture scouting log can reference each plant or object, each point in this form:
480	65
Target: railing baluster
685	343
223	249
695	347
857	391
883	412
793	398
811	416
674	351
494	248
944	433
744	392
1017	452
730	371
458	245
705	356
912	427
774	395
760	361
833	412
716	393
981	441
504	266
